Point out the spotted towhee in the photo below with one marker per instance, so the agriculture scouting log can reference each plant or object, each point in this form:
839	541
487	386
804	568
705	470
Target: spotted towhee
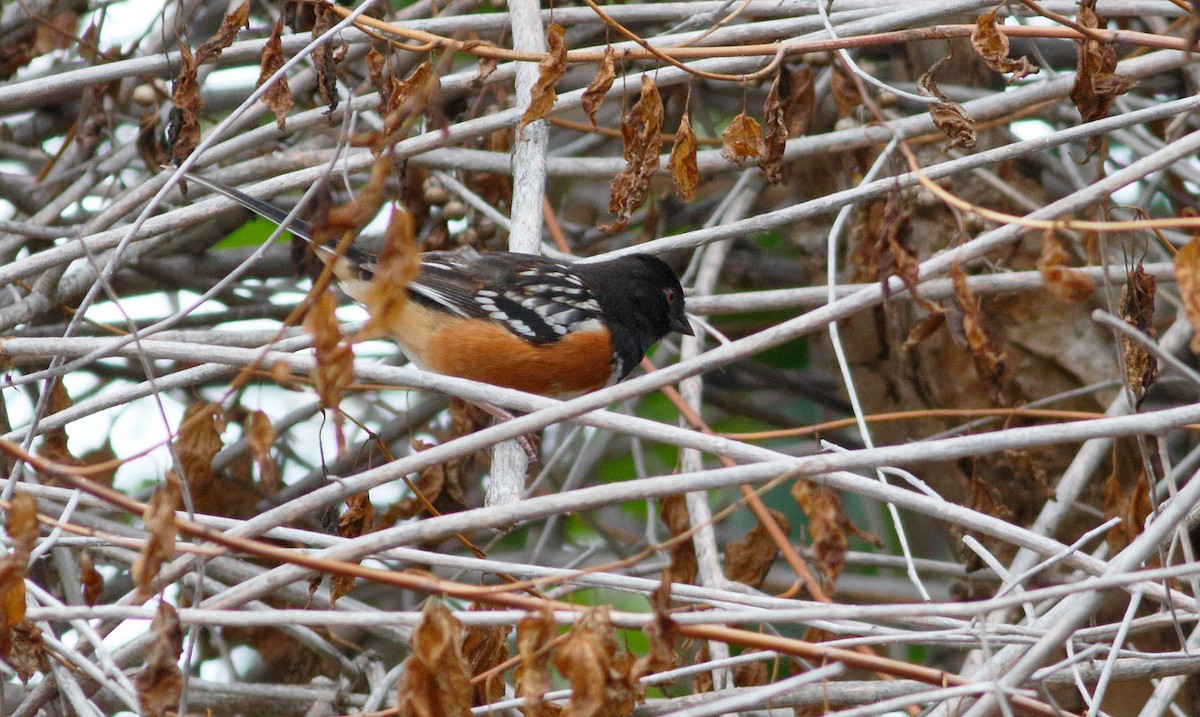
517	320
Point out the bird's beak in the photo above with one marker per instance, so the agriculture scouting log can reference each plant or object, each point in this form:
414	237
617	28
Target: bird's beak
680	324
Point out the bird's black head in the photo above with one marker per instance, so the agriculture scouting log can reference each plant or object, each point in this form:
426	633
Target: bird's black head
642	299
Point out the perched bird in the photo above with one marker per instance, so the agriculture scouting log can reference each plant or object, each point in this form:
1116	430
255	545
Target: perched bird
516	320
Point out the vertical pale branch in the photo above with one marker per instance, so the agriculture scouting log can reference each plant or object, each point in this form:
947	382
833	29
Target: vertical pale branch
509	461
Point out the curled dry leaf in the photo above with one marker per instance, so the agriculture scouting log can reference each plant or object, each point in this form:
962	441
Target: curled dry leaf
949	117
278	96
337	226
742	139
487	65
149	144
845	92
750	674
955	123
641	133
225	35
486	647
992	46
593	94
160	683
550	72
535	638
1096	86
685	171
827	526
922	330
1187	275
35	39
27	651
21	526
800	105
324	60
673	513
988	355
748	560
159	520
357	520
1132	509
597	668
436	680
405	100
198	442
1137	309
660	632
398	264
90	578
260	436
54	442
183	128
775	139
334	370
183	131
1065	283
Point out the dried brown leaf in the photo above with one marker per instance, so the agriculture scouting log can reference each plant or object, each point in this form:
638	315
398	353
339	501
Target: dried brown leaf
828	527
992	46
776	136
988	355
685	171
949	117
278	96
334	370
149	144
1065	283
324	60
26	652
922	330
21	526
673	513
198	442
800	104
1187	275
486	647
357	520
591	659
159	520
487	65
398	264
748	560
593	94
660	632
535	638
160	683
641	131
550	72
54	443
742	139
225	35
1132	509
260	437
750	674
90	578
895	253
437	679
183	130
1137	309
955	123
1096	86
407	99
845	92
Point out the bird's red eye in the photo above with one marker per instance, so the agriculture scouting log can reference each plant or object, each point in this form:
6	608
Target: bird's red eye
670	296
